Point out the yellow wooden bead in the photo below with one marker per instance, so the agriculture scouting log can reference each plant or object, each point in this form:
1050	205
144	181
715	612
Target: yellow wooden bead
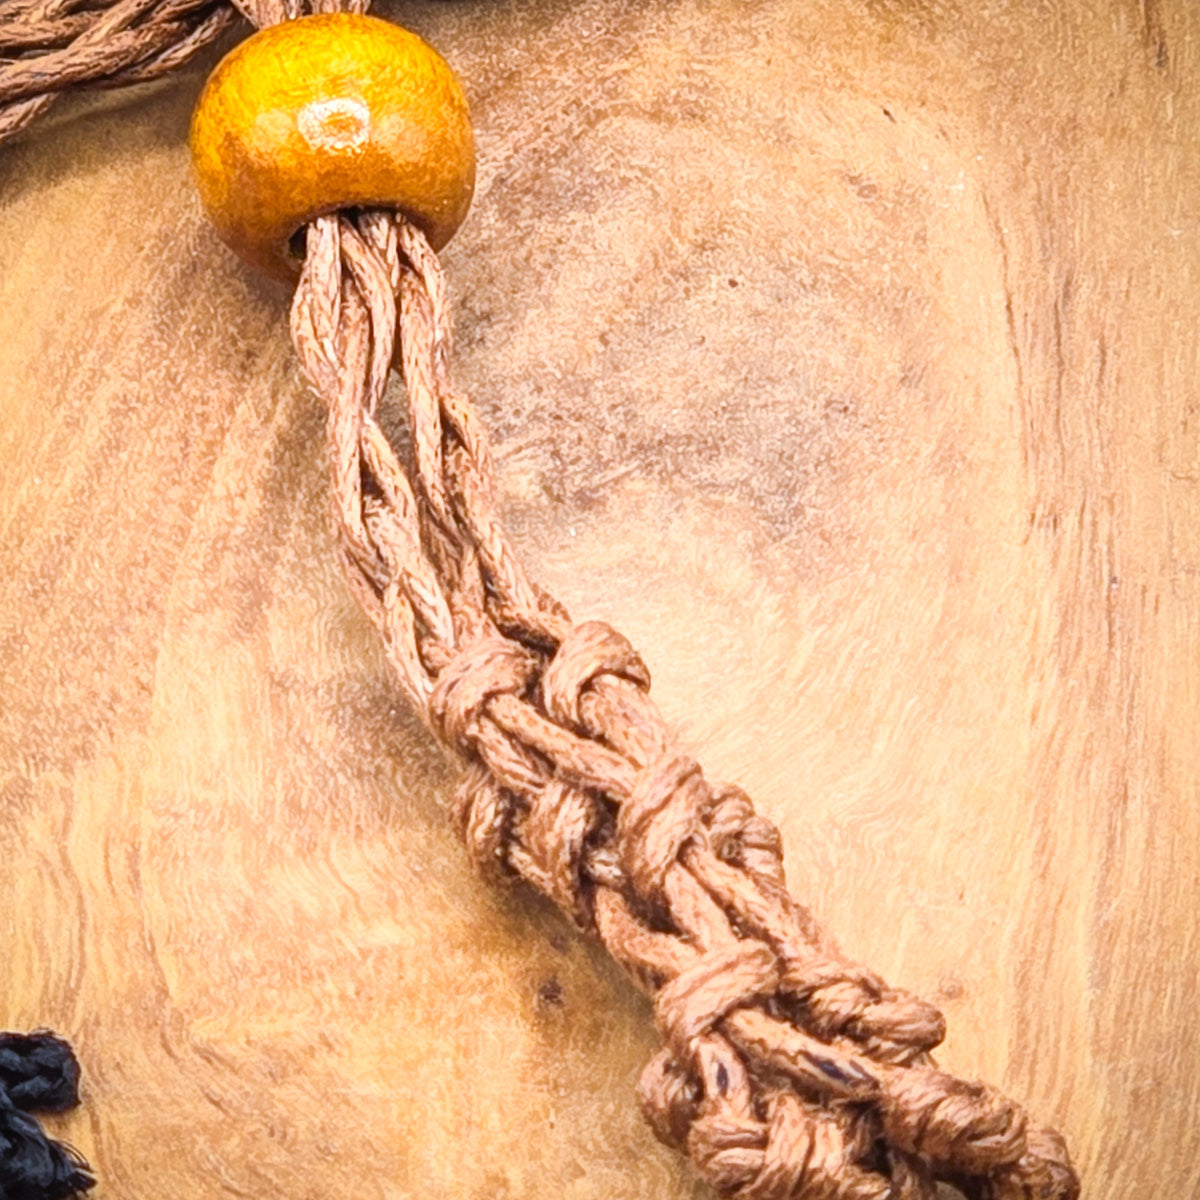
327	112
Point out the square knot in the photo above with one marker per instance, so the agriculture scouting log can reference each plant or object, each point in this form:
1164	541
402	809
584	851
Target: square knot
950	1121
794	1151
589	650
843	999
728	977
670	1098
737	834
664	810
482	813
562	824
38	1071
490	666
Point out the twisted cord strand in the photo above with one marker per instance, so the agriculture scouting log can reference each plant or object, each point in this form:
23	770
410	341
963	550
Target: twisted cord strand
50	47
786	1070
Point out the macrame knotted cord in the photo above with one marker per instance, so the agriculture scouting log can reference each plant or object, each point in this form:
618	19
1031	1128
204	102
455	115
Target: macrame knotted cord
787	1071
38	1073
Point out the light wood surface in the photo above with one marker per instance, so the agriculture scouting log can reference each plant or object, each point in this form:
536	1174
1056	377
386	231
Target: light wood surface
843	355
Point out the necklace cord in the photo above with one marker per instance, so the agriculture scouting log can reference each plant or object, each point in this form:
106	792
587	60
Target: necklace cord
50	47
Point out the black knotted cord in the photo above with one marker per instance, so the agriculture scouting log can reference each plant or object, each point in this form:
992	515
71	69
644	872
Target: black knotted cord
38	1073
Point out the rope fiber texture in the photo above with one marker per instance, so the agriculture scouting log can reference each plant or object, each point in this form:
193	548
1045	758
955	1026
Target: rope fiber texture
786	1070
50	47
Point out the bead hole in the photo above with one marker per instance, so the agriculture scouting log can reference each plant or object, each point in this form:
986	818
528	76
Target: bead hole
297	244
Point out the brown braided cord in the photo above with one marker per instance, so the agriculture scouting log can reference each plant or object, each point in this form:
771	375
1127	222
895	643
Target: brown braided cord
50	47
786	1071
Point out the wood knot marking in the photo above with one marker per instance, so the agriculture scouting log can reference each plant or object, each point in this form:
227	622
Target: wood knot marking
550	994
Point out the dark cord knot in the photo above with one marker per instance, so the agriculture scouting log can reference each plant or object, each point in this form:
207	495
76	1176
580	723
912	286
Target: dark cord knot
37	1071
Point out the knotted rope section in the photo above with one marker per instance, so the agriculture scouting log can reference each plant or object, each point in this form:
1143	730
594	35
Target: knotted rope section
38	1073
786	1070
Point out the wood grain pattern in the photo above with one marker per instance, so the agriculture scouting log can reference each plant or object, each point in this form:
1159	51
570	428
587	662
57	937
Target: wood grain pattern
840	354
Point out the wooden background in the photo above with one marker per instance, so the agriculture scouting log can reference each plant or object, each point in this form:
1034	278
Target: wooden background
843	354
